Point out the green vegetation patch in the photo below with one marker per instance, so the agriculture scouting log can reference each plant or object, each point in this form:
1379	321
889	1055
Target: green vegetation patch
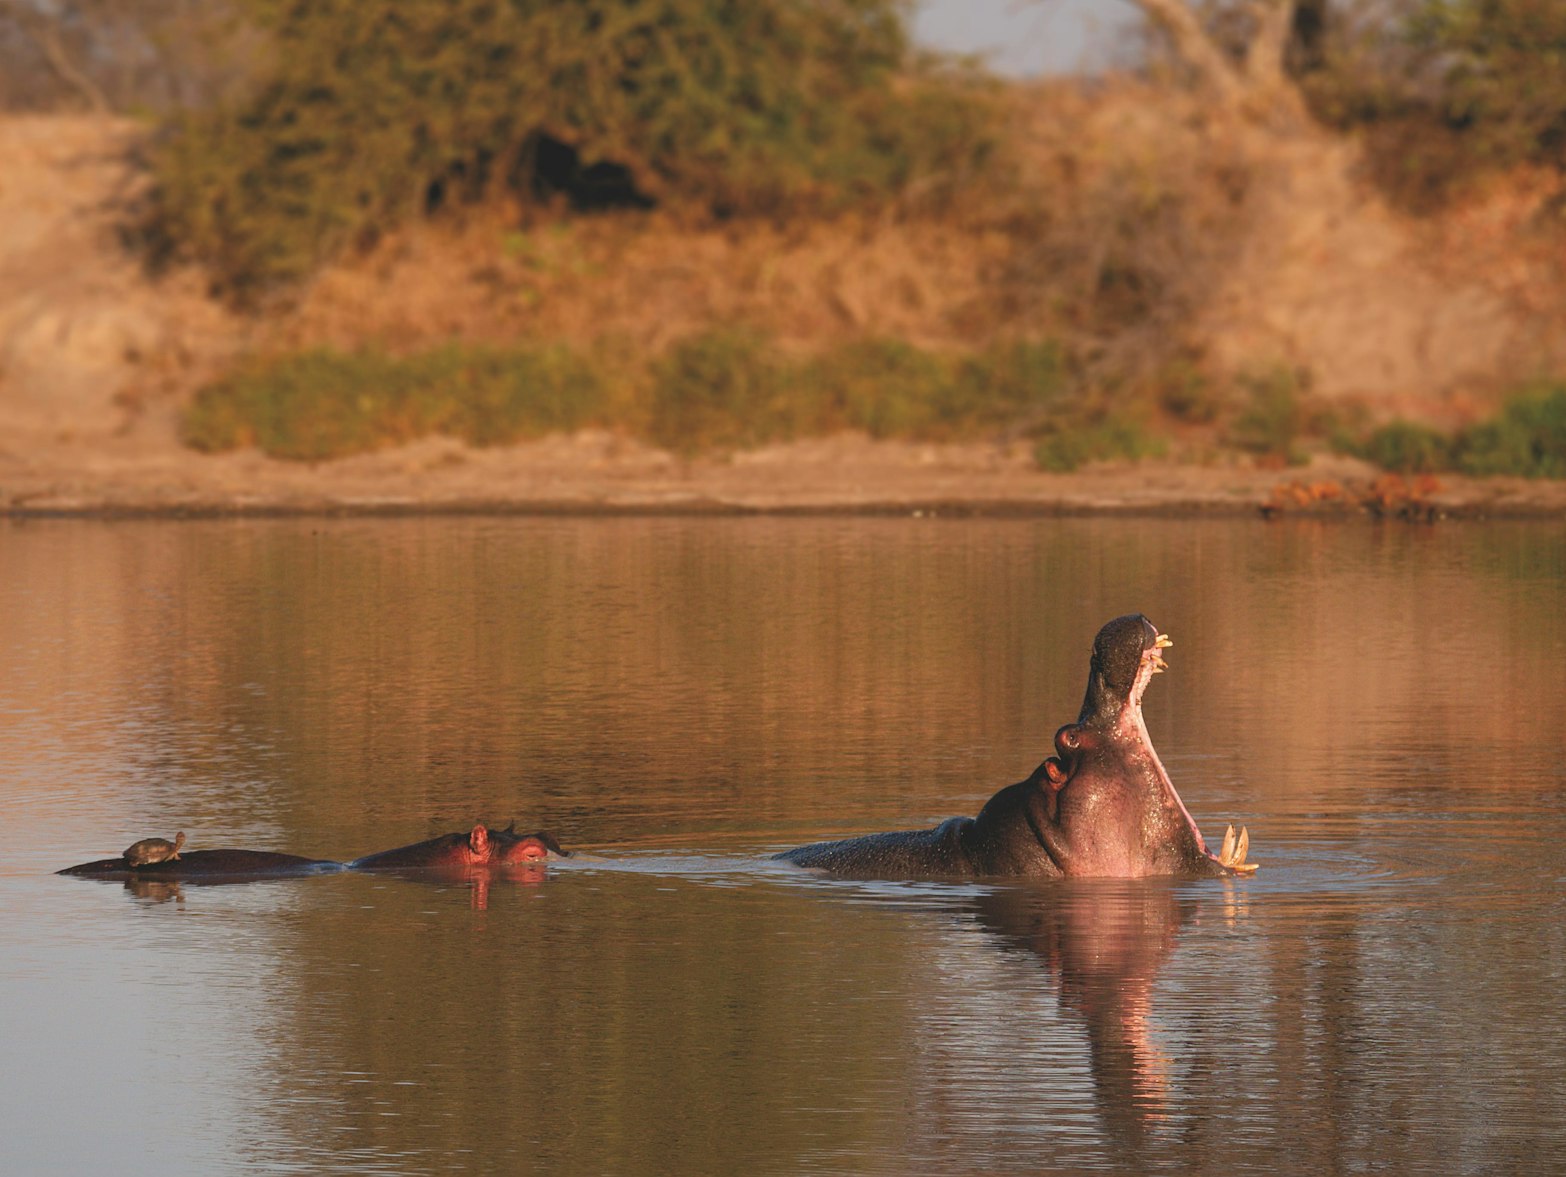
1405	447
365	114
1273	418
324	403
1447	90
1115	437
724	389
1525	439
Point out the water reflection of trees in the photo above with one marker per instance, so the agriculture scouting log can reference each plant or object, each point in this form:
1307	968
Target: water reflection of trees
630	679
341	687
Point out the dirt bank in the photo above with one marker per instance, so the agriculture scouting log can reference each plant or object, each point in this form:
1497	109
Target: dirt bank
597	472
96	358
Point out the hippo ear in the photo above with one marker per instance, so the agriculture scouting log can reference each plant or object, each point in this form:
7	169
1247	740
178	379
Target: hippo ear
512	828
1055	772
478	839
549	841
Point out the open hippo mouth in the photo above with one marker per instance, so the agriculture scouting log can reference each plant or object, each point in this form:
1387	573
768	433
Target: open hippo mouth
1102	806
1118	812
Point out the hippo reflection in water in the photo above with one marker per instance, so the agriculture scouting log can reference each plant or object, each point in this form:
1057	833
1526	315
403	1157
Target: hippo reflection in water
1103	806
449	855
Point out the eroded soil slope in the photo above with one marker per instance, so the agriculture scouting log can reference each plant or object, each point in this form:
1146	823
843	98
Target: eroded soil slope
1430	318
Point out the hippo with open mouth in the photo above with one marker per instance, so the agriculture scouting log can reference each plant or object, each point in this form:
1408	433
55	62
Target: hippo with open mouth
1102	806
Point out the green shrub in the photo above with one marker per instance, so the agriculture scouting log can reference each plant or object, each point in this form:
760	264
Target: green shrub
323	403
371	112
727	388
886	387
724	389
1404	447
1063	448
1024	382
1447	90
890	388
1527	438
1274	418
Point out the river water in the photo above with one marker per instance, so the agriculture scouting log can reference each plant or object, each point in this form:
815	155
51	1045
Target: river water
1383	706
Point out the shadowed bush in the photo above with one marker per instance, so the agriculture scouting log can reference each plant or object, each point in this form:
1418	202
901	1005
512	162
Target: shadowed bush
1447	91
1404	447
1526	439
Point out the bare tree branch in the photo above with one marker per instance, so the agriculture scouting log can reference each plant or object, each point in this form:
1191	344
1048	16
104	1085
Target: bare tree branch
1261	76
1195	47
1264	57
45	34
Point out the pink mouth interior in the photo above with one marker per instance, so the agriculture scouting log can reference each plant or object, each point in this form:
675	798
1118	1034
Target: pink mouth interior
1132	726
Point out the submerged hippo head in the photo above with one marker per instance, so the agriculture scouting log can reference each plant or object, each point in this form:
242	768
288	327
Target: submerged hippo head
509	848
479	847
1111	808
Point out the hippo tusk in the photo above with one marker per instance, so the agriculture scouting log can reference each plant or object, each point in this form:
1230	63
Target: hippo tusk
1235	847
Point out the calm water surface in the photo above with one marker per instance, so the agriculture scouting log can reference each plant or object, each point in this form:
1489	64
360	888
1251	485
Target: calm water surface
1385	708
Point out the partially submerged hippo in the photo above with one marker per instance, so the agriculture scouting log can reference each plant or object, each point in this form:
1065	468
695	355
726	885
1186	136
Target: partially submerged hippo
480	847
206	866
1102	806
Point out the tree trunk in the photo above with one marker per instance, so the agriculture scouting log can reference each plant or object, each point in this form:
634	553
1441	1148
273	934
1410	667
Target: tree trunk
45	34
1260	79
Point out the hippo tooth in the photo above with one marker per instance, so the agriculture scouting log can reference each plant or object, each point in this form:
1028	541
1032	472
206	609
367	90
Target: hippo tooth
1226	855
1163	642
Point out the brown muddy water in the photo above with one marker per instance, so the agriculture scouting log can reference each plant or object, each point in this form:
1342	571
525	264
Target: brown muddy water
1384	707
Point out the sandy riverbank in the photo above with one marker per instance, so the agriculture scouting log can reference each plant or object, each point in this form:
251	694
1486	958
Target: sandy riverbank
141	473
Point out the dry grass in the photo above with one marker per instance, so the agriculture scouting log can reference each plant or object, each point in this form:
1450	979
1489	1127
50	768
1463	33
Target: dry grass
1101	225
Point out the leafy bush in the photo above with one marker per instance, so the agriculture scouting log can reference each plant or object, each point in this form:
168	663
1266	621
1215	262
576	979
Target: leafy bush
1449	90
889	388
1024	382
729	388
1404	447
323	403
1063	448
1527	438
723	389
1272	422
372	112
886	387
